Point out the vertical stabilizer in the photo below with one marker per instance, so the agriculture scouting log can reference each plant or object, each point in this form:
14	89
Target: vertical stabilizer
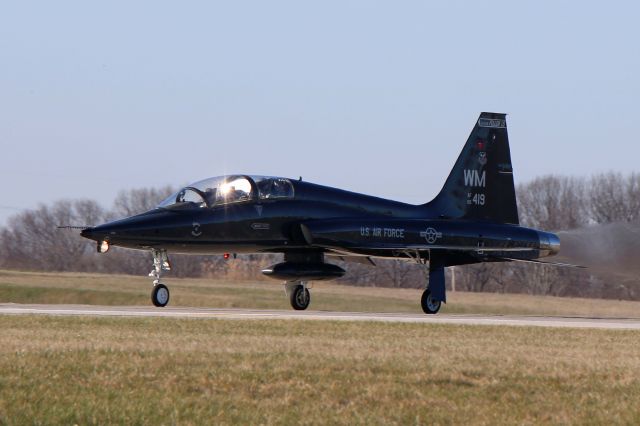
480	186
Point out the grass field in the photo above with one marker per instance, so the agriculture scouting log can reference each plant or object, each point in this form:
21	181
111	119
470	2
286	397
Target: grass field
96	289
83	370
61	370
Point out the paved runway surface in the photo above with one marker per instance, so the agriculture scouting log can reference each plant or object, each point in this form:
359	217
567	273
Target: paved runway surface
143	311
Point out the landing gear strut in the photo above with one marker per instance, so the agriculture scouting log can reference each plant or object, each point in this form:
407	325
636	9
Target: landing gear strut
435	293
160	292
299	295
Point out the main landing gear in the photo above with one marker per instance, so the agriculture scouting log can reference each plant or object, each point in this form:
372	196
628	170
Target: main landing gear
429	304
435	293
160	292
299	295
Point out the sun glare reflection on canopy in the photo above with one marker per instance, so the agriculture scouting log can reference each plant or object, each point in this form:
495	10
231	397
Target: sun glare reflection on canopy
229	189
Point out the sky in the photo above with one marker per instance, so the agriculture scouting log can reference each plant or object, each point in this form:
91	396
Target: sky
370	96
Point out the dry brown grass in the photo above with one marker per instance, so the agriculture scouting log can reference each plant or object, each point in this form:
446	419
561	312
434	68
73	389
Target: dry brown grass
31	287
166	371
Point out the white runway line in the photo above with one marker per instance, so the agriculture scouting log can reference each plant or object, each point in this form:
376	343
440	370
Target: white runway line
239	314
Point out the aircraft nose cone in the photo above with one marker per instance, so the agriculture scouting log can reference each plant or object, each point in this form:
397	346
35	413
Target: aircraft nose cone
87	233
128	230
549	242
96	233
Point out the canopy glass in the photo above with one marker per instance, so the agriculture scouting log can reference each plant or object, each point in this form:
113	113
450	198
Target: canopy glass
230	189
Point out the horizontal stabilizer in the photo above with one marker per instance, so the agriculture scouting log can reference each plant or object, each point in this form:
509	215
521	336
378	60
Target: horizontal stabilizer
565	265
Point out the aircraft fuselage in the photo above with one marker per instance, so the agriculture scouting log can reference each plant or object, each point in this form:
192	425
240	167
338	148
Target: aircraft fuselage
473	219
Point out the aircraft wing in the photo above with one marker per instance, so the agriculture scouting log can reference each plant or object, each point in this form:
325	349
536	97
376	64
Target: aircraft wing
350	257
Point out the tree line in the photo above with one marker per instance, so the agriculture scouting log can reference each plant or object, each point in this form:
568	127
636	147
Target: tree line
578	208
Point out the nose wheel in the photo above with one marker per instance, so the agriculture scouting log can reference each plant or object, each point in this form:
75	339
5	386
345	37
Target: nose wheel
160	292
160	295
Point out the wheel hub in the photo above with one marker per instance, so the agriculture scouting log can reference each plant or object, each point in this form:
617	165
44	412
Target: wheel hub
432	304
162	295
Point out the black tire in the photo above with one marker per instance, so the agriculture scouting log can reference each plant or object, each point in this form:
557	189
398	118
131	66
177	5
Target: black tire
430	306
160	295
300	298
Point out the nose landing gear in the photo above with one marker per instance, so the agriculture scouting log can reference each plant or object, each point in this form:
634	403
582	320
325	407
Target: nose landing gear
160	292
160	295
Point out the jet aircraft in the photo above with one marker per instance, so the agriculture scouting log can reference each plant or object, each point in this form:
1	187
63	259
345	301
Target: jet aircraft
473	219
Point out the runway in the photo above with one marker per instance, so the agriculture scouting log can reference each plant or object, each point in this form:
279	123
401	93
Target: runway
248	314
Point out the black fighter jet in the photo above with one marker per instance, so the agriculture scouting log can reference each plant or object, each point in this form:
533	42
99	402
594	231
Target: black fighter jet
473	219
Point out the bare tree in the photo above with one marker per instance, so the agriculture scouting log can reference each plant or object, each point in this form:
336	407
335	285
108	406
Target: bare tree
33	241
135	201
396	273
614	198
358	274
553	203
477	277
633	197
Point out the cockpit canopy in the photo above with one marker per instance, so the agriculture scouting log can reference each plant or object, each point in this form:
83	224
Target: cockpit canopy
230	189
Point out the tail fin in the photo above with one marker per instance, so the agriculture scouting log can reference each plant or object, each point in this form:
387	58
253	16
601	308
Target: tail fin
480	186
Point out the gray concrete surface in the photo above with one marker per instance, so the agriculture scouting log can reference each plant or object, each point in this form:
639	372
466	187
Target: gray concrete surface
244	314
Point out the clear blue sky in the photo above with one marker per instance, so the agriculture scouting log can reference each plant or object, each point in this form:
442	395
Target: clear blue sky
376	97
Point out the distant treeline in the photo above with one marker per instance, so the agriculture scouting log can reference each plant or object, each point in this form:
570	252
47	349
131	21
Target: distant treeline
600	206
